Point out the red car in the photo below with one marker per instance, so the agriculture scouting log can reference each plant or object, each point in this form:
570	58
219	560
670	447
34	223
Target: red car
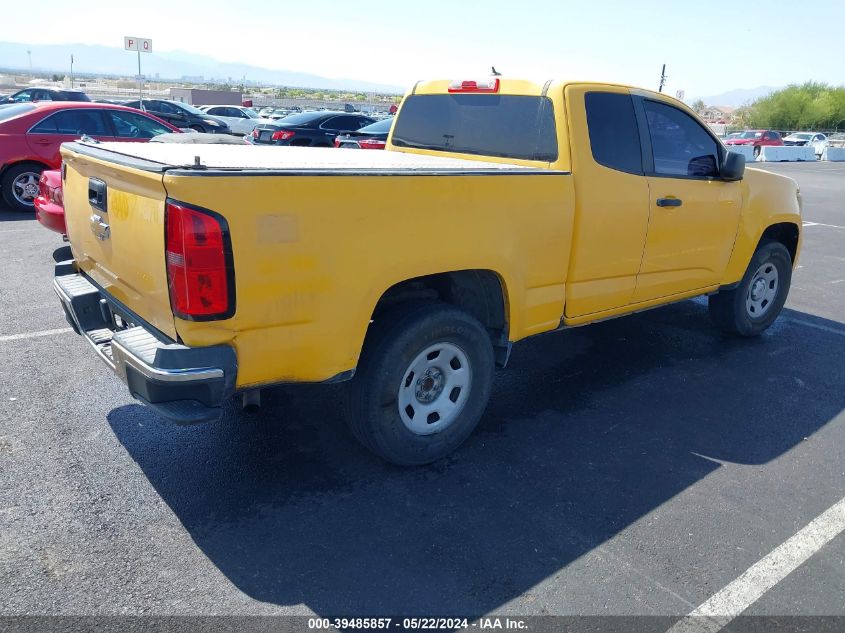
31	133
757	138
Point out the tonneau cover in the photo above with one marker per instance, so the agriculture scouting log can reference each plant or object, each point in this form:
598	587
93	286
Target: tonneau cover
163	156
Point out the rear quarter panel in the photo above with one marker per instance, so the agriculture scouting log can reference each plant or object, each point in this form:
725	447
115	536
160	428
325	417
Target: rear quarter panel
313	255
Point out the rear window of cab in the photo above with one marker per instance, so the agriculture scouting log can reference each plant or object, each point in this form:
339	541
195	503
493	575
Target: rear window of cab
504	126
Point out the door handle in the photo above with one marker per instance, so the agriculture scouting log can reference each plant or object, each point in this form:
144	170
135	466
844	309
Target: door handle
669	202
42	141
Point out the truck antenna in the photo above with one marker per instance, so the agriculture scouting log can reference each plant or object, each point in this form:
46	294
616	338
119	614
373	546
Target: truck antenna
495	72
662	78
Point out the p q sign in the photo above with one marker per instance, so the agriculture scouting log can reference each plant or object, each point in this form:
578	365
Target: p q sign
138	44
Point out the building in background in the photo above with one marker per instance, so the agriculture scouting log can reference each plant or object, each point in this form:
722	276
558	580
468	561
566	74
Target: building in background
717	114
198	96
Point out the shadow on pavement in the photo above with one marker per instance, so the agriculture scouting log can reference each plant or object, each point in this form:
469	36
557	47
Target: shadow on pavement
61	254
7	215
588	430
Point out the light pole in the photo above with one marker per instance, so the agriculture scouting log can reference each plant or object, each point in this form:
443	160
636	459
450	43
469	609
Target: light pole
71	70
29	55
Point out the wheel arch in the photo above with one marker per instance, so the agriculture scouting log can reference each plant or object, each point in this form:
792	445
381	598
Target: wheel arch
787	233
16	162
480	292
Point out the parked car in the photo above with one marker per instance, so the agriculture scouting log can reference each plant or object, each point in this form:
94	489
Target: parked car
49	203
265	112
315	129
182	115
278	113
373	136
31	95
816	139
757	138
33	132
331	267
239	119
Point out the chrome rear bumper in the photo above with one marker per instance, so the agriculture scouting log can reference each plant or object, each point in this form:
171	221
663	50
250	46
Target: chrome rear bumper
184	384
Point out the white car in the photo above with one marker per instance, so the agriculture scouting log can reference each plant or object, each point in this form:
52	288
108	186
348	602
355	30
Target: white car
816	139
239	119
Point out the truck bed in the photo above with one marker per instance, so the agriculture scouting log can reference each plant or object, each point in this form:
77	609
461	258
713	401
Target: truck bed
287	160
318	236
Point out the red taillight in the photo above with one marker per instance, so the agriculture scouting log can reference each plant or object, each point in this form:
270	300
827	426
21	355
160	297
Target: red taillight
372	143
484	85
199	271
337	142
255	133
43	189
283	135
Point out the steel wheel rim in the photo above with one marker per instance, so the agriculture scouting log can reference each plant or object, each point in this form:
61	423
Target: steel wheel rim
25	188
762	291
434	389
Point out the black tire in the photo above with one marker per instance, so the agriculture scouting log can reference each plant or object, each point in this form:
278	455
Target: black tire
394	341
9	178
729	309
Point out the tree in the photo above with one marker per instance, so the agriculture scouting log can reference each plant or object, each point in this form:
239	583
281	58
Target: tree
698	106
811	105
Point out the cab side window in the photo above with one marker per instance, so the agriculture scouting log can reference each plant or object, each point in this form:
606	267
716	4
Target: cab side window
166	108
614	134
681	147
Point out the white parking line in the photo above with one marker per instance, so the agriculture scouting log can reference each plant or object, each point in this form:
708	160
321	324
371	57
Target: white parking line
17	337
831	226
817	326
725	605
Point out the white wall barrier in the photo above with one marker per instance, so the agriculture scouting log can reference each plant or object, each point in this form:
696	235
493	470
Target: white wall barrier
834	153
745	150
777	153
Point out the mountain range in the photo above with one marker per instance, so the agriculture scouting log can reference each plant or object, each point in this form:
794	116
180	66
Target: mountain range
109	60
736	98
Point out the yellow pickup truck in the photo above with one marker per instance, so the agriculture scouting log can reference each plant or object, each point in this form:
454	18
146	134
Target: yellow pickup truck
501	209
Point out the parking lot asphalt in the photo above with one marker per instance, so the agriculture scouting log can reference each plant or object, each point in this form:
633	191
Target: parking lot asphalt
633	467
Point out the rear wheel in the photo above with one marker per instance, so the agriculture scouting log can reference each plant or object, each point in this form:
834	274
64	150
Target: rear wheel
20	186
756	302
422	384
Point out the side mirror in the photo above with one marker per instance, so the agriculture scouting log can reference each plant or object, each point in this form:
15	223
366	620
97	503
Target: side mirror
733	166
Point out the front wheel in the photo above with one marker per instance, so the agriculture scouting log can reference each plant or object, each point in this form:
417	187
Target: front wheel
423	382
756	302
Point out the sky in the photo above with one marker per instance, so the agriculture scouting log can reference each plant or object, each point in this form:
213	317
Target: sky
708	47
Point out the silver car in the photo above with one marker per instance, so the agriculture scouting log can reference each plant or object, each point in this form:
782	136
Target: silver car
817	140
240	120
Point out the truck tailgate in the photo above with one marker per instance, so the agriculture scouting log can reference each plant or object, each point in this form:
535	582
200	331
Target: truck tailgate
119	242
